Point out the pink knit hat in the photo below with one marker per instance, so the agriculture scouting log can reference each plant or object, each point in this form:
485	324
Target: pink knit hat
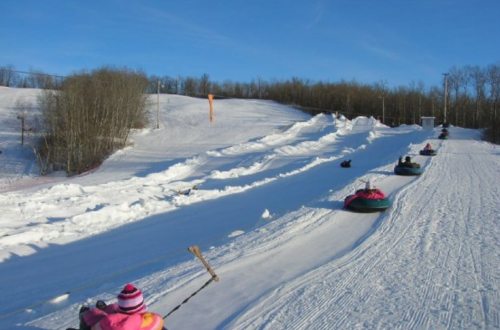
130	300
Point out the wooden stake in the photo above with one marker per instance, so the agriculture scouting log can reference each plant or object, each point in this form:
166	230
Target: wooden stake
210	101
196	251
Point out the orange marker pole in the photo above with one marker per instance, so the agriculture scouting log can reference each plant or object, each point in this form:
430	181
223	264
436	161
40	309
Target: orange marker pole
210	100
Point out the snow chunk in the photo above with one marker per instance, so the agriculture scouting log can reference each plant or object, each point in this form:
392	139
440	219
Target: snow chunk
236	233
59	298
266	214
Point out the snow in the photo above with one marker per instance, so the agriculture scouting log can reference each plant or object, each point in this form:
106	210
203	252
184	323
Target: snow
267	215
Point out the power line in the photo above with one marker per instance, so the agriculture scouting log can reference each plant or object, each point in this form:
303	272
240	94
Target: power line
35	73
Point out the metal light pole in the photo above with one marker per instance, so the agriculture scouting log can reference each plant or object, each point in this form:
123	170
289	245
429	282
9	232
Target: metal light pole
445	95
383	108
158	107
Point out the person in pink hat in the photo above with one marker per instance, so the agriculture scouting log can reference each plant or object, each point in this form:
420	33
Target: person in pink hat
129	313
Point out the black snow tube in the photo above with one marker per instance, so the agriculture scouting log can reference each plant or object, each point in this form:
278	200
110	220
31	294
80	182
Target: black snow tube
402	170
443	137
428	152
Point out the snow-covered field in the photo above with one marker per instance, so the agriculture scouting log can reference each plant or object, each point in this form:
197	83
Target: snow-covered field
267	216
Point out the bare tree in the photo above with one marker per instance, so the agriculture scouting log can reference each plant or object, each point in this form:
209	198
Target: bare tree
190	86
204	84
91	116
478	80
493	76
7	75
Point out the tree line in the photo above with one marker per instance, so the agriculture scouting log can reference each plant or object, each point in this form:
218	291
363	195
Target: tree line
472	96
89	114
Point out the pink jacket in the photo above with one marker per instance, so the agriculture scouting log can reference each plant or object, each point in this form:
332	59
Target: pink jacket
111	319
375	194
93	316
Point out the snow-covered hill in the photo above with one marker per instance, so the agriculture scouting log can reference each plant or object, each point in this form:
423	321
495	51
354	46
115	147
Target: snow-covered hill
267	216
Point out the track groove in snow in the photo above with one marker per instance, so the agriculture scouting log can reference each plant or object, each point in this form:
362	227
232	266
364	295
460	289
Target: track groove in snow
386	262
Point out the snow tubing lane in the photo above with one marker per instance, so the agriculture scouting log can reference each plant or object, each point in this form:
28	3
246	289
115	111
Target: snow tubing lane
366	205
401	170
428	152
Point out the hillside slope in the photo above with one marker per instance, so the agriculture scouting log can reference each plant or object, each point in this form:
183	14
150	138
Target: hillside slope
268	217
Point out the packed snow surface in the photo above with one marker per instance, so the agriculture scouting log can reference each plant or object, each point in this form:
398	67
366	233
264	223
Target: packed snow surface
261	192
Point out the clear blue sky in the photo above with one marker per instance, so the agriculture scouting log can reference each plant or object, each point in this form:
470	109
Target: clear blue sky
397	41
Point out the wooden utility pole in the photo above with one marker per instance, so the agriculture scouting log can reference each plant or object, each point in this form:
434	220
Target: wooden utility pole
23	129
